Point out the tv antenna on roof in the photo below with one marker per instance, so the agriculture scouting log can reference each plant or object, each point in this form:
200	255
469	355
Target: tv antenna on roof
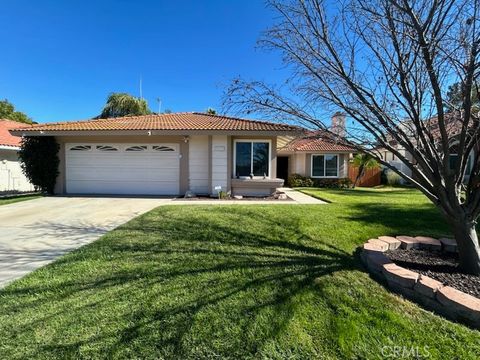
159	104
141	92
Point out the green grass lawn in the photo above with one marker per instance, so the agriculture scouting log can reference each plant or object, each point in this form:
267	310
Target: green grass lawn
18	198
195	282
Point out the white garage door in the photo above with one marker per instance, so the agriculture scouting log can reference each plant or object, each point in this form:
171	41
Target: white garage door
139	169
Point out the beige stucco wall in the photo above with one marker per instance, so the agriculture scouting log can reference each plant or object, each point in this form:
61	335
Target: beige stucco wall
299	163
220	160
11	175
199	158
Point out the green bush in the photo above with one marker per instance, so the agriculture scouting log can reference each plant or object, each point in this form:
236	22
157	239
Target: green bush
39	161
393	178
333	183
297	180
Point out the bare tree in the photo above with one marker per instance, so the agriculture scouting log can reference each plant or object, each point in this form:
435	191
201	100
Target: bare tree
388	65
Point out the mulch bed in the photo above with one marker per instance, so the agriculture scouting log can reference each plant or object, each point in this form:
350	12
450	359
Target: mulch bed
437	265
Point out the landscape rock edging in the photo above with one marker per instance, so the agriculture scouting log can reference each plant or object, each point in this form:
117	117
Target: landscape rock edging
432	294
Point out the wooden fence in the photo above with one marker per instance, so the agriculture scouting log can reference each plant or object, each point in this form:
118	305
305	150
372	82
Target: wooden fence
370	178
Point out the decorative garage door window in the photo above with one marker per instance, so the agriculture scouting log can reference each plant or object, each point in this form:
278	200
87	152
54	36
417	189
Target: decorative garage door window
162	148
106	148
136	148
81	148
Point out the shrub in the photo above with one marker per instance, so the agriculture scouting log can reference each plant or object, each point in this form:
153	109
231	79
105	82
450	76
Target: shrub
393	178
297	180
333	183
39	161
345	183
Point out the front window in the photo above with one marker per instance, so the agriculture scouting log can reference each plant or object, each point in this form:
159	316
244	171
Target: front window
325	165
453	163
252	158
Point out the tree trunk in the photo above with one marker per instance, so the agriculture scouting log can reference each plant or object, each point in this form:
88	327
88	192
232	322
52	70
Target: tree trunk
361	169
468	246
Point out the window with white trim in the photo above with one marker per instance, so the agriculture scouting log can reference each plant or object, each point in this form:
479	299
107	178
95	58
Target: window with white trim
453	163
453	159
252	158
325	165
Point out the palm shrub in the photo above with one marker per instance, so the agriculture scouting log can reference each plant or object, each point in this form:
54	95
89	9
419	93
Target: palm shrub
123	104
363	162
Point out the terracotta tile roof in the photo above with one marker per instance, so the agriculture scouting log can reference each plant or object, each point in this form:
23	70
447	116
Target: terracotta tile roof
176	121
318	141
7	139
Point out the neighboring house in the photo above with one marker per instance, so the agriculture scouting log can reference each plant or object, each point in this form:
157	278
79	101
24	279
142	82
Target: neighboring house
453	127
316	154
11	176
167	154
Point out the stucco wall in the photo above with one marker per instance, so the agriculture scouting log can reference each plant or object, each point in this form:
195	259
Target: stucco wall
199	179
11	175
299	163
220	159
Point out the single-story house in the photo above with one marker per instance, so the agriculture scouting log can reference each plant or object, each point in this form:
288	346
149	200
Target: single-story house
167	154
316	154
453	127
11	175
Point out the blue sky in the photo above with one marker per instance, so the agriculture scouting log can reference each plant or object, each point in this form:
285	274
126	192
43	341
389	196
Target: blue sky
60	59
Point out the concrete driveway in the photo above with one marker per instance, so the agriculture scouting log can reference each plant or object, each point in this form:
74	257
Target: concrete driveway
35	232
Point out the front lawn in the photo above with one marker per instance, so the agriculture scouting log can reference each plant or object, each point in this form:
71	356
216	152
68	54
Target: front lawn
18	198
194	282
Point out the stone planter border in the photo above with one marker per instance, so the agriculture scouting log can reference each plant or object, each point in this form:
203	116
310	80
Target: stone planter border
432	294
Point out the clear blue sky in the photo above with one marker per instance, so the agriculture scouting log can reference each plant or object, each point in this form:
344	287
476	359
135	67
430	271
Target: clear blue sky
60	59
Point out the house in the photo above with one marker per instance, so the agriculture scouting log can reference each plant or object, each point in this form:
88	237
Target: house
166	154
11	175
316	154
453	128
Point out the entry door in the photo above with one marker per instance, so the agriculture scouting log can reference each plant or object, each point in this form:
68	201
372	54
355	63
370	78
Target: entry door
282	167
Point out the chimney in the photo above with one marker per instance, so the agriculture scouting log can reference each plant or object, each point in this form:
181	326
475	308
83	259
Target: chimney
338	126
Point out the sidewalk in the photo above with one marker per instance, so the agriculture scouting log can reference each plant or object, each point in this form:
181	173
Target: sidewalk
297	198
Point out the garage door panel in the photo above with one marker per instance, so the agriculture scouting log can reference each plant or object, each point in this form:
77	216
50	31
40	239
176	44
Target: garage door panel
116	161
140	175
146	171
124	188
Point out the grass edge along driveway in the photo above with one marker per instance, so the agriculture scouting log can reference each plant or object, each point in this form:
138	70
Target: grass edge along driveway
196	282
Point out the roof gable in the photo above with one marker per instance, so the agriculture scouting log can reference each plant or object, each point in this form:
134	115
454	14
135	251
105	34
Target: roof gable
320	141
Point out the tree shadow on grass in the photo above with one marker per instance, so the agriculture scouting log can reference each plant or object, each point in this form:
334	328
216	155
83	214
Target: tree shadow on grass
174	284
